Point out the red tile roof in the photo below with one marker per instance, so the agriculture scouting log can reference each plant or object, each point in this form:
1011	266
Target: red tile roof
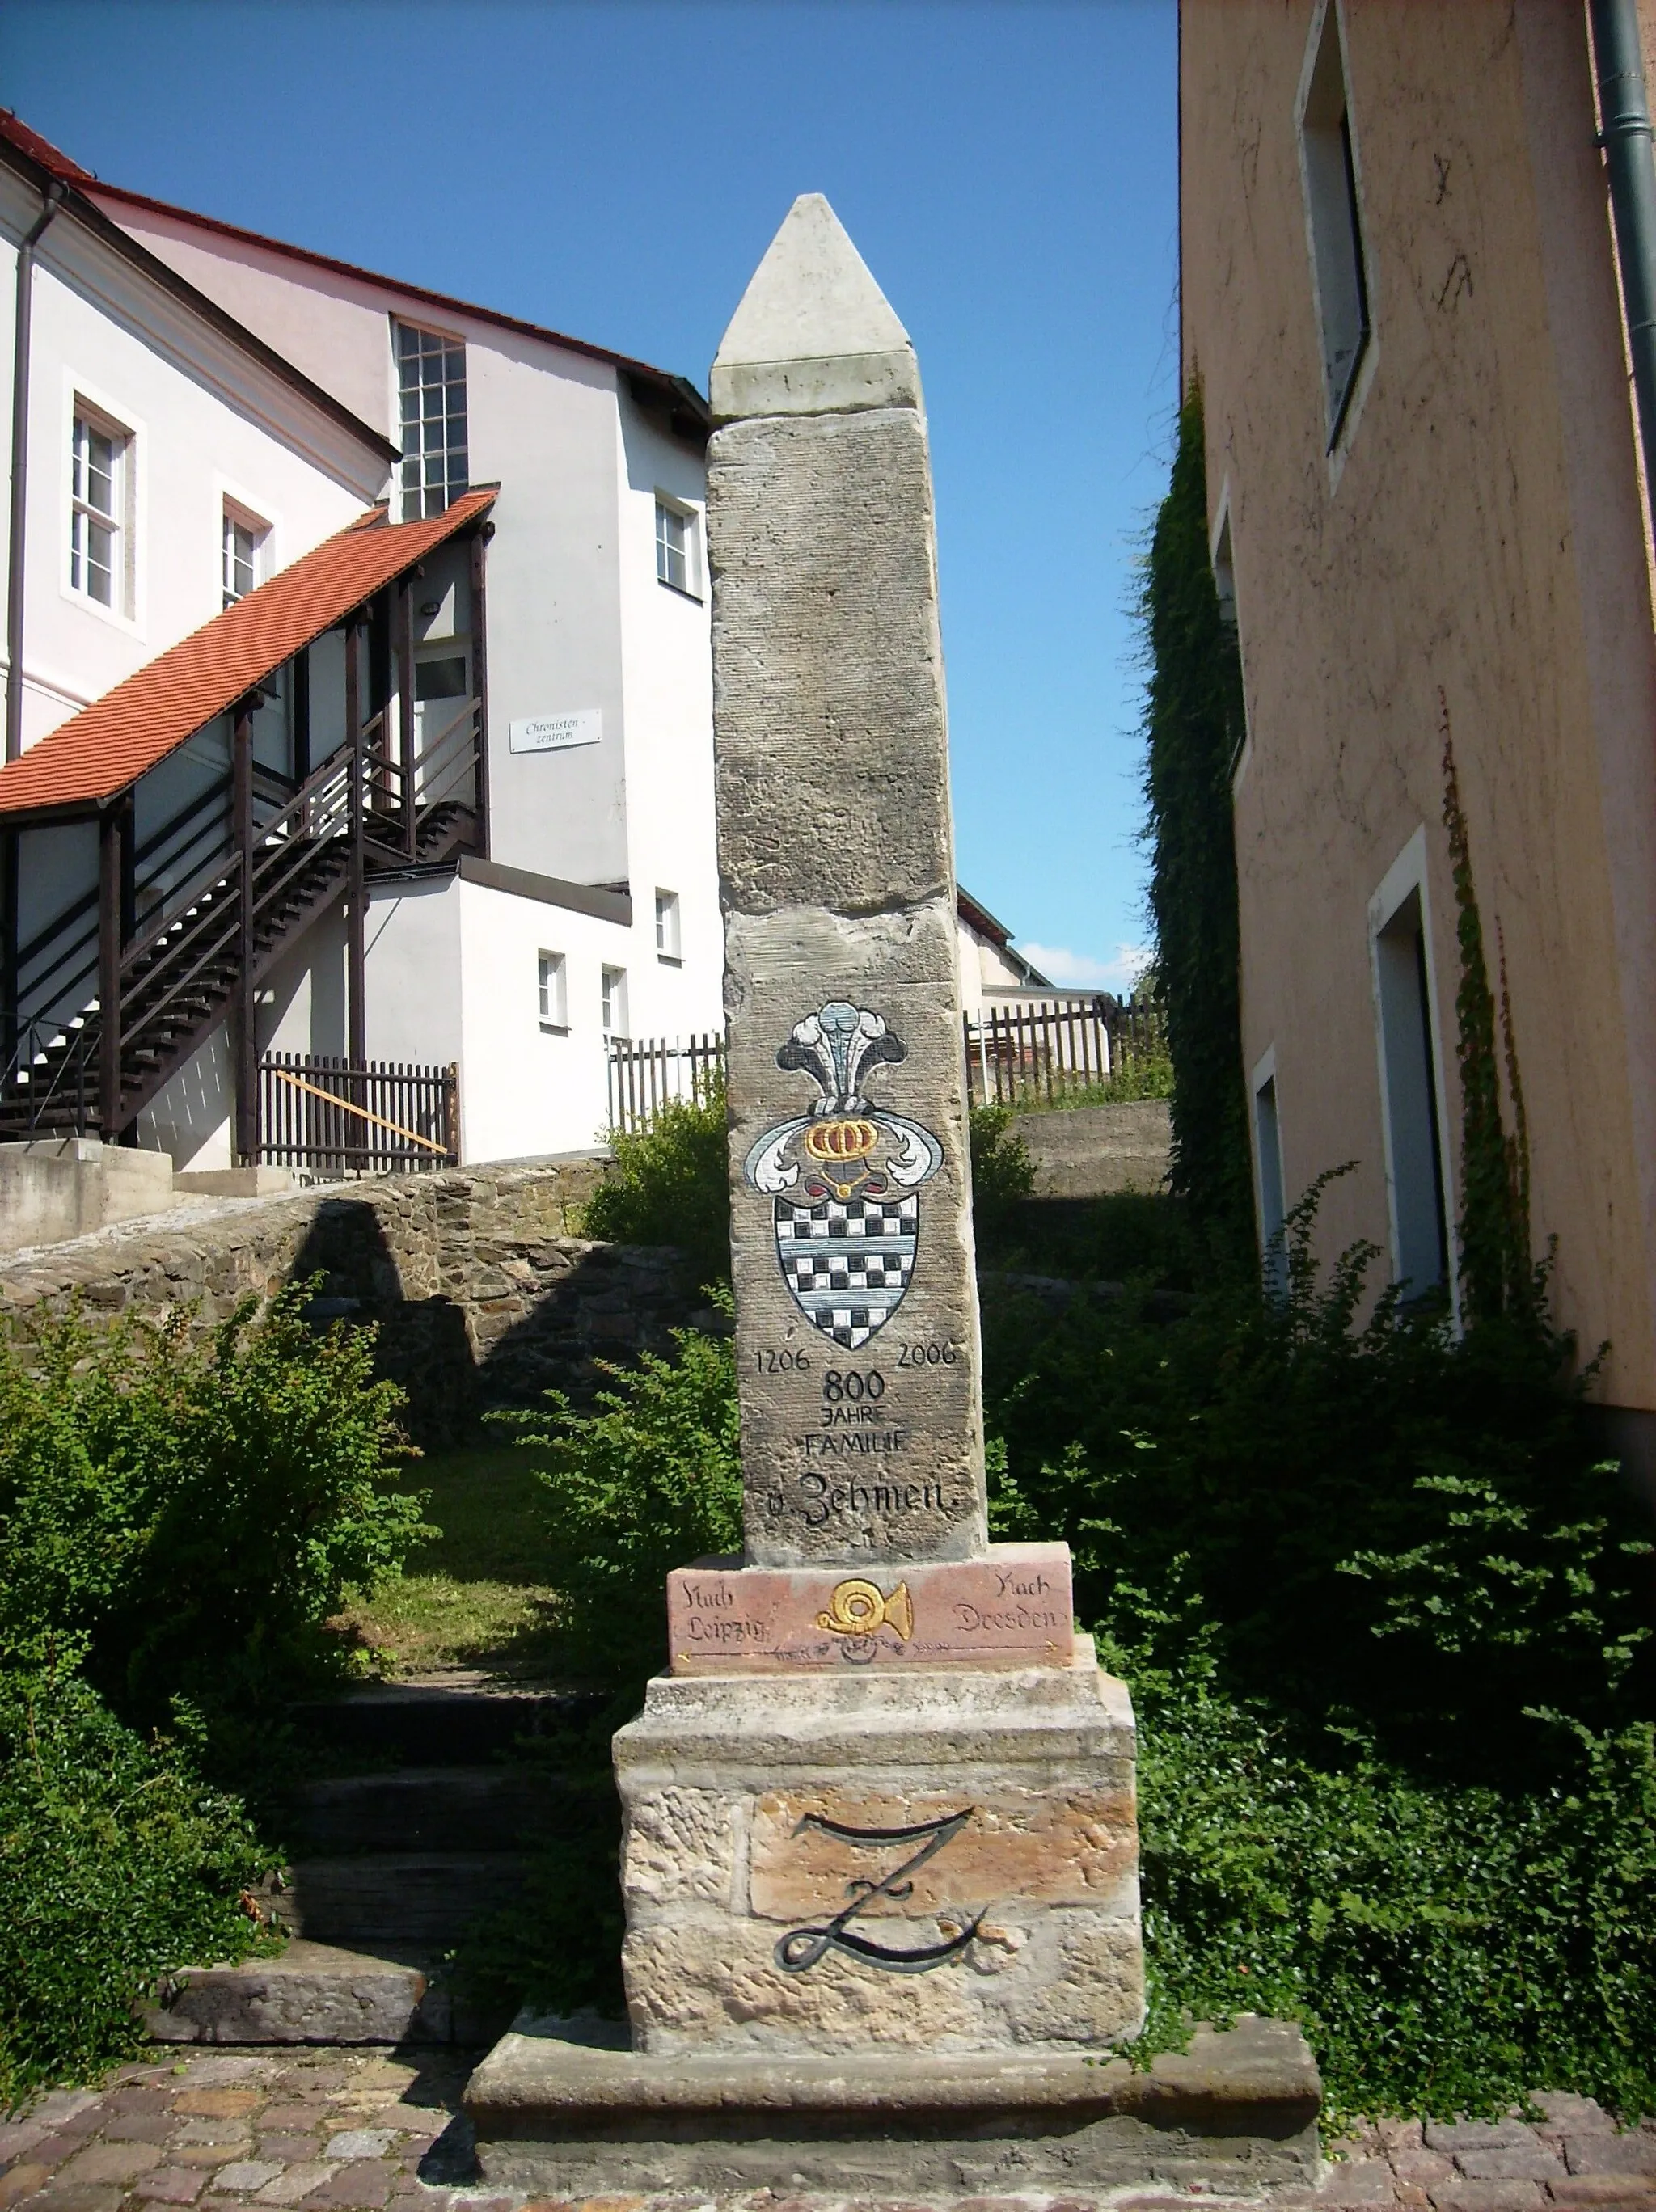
110	744
51	158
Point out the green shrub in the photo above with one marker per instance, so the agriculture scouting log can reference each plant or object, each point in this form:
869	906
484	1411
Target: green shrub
648	1482
1386	1520
116	1865
1002	1173
671	1184
192	1511
1448	1947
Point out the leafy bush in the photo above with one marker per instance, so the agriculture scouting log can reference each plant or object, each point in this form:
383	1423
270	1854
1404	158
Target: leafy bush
648	1482
191	1511
178	1519
672	1185
1002	1173
1382	1520
1448	1947
115	1865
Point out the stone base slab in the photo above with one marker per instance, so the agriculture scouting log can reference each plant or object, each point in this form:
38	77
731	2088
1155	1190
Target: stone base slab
560	2110
312	1993
1010	1609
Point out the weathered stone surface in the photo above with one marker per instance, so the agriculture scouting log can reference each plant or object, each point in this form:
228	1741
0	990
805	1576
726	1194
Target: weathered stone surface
814	332
481	1294
857	1307
311	1994
681	1844
557	2111
1011	1608
1021	1846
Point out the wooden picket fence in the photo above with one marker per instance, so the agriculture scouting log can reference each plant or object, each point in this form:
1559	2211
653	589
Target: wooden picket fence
1033	1052
1028	1052
334	1120
645	1072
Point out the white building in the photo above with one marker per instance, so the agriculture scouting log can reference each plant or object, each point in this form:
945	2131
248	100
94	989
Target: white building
203	408
992	969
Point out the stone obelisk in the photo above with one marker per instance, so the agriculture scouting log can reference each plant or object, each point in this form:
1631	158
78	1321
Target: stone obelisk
856	1330
881	1853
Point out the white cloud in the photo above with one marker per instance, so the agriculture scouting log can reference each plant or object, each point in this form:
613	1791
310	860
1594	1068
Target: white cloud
1085	971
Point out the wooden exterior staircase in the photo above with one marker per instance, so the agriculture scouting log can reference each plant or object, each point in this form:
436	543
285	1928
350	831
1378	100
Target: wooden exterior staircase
260	862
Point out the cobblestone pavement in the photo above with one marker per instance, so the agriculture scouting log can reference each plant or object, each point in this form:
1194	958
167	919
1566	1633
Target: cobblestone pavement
321	2130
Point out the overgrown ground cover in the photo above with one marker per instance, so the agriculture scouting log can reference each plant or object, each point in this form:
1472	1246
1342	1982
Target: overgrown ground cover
474	1592
178	1520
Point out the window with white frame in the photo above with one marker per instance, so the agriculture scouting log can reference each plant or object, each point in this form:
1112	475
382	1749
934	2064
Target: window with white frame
675	562
431	383
554	999
99	466
1414	1152
614	980
244	539
667	946
1328	161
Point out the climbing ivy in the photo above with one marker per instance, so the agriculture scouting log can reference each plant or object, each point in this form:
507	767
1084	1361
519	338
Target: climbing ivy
1498	1278
1193	727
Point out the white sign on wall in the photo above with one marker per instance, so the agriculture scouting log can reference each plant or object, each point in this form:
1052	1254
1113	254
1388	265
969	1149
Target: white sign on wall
556	733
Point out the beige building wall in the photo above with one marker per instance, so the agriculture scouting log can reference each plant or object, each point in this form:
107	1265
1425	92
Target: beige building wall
1478	532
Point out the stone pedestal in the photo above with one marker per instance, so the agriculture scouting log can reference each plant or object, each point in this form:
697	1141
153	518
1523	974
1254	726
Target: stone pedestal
914	1859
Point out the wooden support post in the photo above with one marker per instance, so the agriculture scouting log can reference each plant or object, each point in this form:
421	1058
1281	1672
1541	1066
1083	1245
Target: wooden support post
405	710
301	759
480	676
111	869
246	1026
356	883
9	1021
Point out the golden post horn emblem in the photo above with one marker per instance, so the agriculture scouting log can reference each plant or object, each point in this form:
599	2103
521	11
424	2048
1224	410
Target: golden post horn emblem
859	1608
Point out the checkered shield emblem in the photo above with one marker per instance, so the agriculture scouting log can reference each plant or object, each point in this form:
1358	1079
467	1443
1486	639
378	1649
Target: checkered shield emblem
848	1261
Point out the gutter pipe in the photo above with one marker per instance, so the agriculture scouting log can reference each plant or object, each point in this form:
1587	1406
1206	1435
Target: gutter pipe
1624	114
53	199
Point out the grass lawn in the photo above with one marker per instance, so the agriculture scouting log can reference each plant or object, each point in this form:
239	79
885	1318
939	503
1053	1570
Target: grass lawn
475	1596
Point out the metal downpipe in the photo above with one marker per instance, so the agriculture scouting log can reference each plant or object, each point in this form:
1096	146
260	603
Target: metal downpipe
22	317
1624	111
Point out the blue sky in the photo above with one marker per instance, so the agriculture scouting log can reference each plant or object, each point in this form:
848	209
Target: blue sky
616	171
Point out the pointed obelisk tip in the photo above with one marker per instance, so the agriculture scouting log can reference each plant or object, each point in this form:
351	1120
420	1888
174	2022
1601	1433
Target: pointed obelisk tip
814	334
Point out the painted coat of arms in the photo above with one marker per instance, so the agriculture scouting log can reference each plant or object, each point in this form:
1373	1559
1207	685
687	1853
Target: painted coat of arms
845	1178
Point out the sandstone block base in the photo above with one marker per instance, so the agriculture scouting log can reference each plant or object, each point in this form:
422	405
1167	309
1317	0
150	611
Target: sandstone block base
937	1861
562	2112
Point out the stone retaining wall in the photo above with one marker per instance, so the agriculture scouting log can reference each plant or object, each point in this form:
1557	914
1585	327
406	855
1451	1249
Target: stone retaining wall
1085	1152
481	1295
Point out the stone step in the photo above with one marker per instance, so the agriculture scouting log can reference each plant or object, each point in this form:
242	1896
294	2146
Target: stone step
428	1808
453	1719
422	1901
315	1993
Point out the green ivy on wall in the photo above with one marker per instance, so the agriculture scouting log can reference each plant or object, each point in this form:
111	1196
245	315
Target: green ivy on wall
1498	1278
1193	726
